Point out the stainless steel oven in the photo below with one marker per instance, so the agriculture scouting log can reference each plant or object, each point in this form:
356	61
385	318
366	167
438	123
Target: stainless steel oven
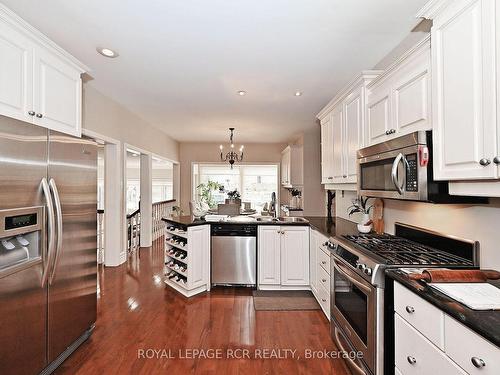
357	317
402	168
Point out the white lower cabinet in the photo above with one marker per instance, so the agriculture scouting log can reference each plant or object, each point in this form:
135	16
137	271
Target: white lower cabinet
283	257
429	341
414	354
320	271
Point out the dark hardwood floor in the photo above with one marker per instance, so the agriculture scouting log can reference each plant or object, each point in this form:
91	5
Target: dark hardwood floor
137	315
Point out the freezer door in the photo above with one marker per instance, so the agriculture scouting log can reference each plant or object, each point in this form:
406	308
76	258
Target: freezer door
73	279
23	301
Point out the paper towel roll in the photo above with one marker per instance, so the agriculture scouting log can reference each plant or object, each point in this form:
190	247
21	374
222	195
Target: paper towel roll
11	257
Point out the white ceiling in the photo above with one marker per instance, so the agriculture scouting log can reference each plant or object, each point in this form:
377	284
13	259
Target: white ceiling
182	61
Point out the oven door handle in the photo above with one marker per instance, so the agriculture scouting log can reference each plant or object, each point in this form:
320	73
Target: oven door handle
394	172
354	366
345	272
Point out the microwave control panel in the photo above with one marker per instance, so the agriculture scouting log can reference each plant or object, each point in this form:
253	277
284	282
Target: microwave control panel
411	173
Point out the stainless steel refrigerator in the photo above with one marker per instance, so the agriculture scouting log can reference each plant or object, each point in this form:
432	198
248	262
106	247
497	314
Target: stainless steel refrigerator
48	241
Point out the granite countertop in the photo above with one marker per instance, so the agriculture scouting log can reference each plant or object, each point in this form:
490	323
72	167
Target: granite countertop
328	228
485	323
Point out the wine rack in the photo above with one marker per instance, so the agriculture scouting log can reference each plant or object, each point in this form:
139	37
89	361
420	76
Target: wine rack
187	257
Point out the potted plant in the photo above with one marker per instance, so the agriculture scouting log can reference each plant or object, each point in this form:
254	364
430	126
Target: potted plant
205	192
233	197
360	205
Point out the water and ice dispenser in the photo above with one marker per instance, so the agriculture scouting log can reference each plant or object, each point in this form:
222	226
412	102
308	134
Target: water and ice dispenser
21	235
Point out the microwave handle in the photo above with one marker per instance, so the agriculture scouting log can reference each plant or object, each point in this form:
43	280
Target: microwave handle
394	172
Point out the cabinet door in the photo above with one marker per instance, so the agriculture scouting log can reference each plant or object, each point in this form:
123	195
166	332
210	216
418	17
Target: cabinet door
295	256
412	95
269	252
57	94
285	167
352	134
326	150
377	116
16	77
198	255
463	66
337	125
313	260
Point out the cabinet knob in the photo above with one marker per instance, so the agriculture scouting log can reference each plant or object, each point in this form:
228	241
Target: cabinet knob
484	162
410	309
324	300
496	160
411	360
31	113
477	362
392	131
324	280
344	176
323	262
330	178
387	132
39	115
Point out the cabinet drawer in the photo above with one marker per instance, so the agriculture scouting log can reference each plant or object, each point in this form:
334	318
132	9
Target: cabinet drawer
466	347
323	279
324	300
324	260
423	316
414	354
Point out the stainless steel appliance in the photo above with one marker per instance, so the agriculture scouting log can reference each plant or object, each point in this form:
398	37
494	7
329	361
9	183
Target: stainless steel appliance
48	267
402	168
358	296
234	254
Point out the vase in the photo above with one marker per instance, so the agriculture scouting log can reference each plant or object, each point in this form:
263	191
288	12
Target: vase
365	219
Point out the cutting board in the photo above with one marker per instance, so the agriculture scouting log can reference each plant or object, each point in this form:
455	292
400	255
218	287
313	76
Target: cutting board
378	216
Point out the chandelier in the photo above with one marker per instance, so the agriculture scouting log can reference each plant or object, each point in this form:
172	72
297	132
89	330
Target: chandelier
231	157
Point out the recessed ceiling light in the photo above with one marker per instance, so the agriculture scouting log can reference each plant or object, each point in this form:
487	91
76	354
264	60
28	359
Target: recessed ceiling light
241	93
107	52
298	93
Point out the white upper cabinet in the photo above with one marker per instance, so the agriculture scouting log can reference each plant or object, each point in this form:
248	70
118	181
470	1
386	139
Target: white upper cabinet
292	166
57	94
399	100
16	55
464	93
342	133
40	82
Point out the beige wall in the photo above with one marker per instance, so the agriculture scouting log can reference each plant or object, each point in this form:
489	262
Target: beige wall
474	222
103	115
209	152
313	193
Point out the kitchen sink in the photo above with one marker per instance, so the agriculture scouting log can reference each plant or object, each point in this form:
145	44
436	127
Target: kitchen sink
267	219
291	219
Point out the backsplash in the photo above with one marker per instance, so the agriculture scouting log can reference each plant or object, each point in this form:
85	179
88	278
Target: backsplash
474	222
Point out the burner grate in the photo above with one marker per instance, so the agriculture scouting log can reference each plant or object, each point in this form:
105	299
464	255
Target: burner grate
400	251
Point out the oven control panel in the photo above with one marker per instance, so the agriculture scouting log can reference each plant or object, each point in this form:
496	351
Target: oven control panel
411	173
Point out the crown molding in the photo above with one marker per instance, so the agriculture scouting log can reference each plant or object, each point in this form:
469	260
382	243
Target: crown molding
432	8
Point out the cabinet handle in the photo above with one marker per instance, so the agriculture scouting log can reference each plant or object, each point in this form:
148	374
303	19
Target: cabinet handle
477	362
323	262
324	280
330	178
324	300
39	115
31	113
410	309
411	360
484	162
344	176
496	160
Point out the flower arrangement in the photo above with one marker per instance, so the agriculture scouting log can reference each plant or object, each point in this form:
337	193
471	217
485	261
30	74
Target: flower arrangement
233	195
205	192
360	205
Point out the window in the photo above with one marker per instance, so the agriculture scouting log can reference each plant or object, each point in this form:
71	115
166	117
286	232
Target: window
255	183
163	171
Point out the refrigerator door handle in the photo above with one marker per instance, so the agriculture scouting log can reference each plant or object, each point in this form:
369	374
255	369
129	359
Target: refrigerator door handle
51	230
59	229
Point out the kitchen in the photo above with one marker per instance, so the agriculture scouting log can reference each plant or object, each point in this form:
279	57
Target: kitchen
301	226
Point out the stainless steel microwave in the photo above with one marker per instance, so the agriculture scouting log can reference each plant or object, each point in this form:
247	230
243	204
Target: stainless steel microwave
401	168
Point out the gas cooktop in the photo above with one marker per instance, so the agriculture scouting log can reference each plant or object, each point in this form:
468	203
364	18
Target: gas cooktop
403	252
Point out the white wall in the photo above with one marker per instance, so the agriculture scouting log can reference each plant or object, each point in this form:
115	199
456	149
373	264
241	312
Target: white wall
474	222
103	115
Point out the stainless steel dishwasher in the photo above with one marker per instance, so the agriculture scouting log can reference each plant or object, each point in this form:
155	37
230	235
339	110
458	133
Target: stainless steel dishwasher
234	255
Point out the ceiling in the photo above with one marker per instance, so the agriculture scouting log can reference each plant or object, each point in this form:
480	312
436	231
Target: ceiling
182	61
